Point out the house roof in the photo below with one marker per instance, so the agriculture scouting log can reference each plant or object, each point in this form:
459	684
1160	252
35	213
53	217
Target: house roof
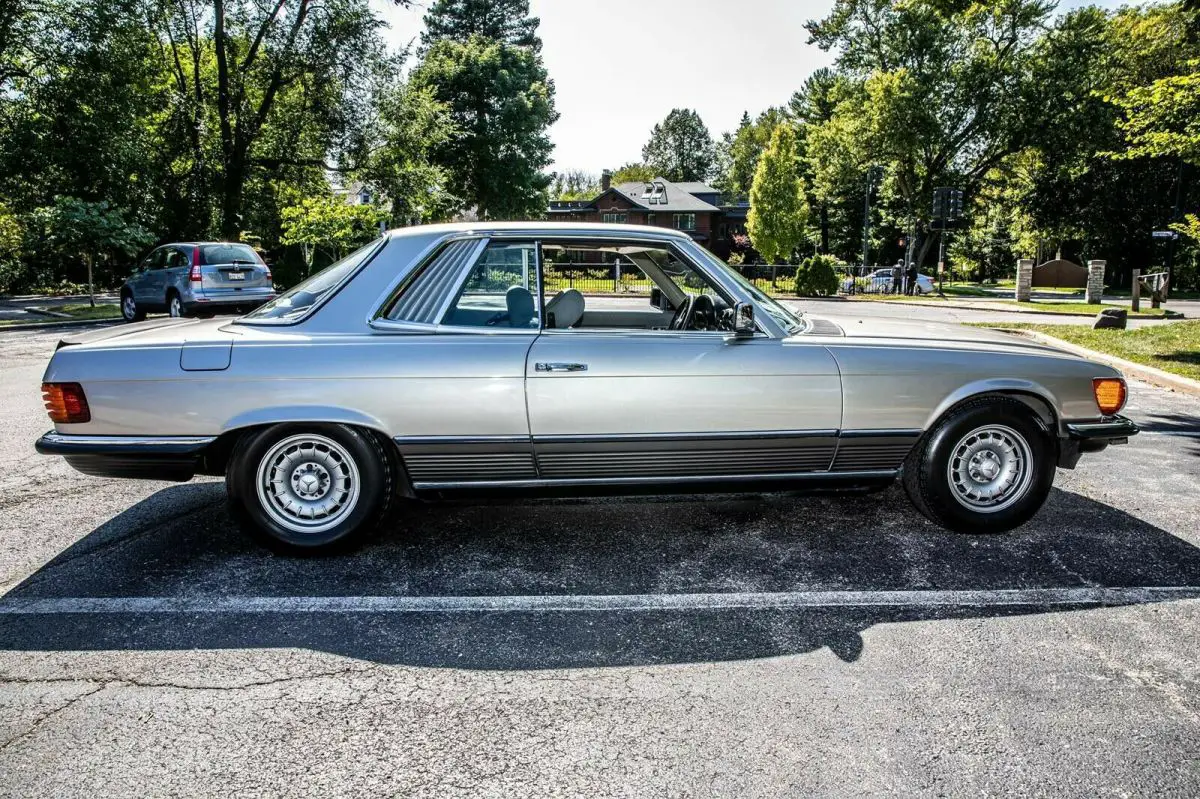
697	188
677	197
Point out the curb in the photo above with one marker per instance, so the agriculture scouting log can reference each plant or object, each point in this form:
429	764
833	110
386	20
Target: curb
51	325
1147	374
1014	309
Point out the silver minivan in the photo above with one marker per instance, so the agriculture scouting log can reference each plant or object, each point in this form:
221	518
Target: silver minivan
197	278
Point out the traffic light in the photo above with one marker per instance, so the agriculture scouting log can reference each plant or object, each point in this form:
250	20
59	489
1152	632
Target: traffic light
956	197
939	203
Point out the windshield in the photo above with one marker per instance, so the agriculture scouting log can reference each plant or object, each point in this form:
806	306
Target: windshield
295	303
786	318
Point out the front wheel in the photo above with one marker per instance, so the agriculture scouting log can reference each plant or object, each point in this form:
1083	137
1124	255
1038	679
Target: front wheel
309	488
987	467
129	308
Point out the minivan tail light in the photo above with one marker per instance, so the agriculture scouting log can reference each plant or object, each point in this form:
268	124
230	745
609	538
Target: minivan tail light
1110	394
66	403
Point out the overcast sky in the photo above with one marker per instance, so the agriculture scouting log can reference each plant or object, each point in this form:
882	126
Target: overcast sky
619	67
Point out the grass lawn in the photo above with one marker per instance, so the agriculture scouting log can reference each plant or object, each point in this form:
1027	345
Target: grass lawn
1173	347
85	311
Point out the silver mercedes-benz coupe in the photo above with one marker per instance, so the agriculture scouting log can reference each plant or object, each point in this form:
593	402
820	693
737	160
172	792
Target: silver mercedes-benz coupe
547	358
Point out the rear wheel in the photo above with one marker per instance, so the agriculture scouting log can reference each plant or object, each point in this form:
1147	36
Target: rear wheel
987	467
174	304
129	308
309	488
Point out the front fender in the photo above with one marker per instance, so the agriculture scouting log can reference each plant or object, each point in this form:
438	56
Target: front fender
1000	385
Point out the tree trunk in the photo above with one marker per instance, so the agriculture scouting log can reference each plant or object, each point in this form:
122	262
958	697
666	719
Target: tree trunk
824	228
231	198
91	286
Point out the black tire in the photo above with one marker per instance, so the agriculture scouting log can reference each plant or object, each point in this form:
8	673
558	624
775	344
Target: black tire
374	475
130	311
927	474
175	307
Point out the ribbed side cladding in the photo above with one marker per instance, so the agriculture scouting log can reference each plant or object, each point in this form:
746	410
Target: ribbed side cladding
675	463
866	454
470	466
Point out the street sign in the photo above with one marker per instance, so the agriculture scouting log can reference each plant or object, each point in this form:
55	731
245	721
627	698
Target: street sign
1164	234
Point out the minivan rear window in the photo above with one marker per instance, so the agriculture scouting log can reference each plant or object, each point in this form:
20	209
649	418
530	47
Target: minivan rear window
229	254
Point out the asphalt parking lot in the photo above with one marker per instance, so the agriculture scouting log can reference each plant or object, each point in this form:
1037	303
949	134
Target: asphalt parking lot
766	645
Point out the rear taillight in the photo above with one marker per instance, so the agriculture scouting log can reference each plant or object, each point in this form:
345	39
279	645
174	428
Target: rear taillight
194	274
267	270
66	403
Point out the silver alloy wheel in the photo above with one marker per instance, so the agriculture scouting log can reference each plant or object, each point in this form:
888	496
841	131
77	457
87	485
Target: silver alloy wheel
308	483
128	307
990	468
174	306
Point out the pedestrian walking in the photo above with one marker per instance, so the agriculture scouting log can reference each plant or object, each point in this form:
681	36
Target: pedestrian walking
897	276
911	287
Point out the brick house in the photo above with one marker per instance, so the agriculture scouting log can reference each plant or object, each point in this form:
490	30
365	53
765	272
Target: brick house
692	207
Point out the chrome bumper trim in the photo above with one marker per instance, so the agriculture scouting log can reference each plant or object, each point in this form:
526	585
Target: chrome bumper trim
55	443
1116	427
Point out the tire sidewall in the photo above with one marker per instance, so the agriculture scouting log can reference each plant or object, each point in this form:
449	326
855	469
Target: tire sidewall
172	299
374	489
935	486
127	297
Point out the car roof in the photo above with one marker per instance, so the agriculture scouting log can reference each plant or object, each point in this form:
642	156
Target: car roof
538	227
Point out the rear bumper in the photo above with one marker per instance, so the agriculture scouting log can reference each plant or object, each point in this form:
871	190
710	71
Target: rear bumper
144	457
1093	437
251	298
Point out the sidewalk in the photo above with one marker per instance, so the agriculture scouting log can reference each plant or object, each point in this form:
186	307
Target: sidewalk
1177	310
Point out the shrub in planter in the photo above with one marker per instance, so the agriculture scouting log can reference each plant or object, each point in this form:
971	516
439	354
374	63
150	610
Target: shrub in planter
816	277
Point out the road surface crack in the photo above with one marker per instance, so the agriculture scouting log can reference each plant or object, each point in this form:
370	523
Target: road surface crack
37	724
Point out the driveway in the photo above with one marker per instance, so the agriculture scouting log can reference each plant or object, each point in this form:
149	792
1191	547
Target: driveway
757	646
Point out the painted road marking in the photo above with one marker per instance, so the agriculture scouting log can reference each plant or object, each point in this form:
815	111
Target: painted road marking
1027	597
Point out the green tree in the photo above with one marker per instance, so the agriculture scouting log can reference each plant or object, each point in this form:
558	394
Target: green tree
574	184
778	208
11	235
501	20
680	147
330	223
816	276
398	161
634	172
747	146
483	62
90	230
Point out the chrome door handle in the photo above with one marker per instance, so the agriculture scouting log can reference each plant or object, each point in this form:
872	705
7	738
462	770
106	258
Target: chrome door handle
560	367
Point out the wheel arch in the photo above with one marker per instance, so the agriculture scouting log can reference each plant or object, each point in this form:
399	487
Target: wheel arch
1037	397
216	455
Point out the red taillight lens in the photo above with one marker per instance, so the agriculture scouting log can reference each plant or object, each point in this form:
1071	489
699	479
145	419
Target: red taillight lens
194	274
1110	394
66	403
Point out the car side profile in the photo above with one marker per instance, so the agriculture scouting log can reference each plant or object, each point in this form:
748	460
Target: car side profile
541	358
196	278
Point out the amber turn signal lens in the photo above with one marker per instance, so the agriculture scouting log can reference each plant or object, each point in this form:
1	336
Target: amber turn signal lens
1110	394
66	403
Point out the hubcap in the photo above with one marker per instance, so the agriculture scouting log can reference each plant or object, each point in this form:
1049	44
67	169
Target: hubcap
175	308
308	483
128	307
990	469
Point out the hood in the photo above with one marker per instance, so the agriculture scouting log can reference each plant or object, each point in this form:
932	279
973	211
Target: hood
908	332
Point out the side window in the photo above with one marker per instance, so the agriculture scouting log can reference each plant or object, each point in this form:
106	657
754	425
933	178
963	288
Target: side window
627	285
173	258
500	290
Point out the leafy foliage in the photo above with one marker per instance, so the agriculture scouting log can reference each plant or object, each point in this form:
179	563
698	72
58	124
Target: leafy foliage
778	207
483	62
330	223
816	276
680	147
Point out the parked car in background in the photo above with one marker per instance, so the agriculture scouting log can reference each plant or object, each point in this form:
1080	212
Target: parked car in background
197	278
881	282
452	359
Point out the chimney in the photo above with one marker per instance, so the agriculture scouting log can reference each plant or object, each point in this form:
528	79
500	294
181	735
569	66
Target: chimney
606	180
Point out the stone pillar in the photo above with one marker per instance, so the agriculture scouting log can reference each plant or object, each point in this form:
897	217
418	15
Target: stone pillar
1024	279
1095	284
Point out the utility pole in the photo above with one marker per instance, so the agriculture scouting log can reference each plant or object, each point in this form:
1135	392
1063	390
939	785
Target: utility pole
873	173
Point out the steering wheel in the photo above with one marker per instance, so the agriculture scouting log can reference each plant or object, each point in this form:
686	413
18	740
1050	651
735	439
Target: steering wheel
683	314
698	312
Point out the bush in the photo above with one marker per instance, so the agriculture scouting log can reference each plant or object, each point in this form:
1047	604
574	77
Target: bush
816	277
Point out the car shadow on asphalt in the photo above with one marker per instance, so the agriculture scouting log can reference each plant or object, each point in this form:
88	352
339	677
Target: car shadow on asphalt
180	542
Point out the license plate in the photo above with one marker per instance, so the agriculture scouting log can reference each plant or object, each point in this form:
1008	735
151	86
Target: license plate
237	275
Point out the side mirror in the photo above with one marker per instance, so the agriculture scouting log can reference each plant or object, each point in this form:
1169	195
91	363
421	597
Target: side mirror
743	320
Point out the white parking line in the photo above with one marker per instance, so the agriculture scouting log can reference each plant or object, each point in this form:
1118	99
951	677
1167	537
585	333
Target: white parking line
1037	597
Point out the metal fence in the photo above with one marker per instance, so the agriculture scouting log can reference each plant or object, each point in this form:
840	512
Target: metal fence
588	278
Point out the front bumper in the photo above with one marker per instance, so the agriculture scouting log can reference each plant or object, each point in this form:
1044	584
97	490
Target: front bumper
1093	437
145	457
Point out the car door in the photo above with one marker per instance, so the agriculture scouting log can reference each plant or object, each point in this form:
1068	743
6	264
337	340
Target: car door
142	284
647	405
